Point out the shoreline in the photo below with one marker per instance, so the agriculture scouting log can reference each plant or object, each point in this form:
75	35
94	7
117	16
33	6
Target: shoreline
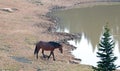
90	4
24	24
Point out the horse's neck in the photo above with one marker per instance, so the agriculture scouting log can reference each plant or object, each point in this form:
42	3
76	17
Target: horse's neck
55	47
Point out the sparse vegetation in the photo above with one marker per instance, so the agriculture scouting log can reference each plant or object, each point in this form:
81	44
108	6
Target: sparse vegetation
18	36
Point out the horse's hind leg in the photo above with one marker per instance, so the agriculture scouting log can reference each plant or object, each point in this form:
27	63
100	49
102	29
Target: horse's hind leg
50	54
37	56
43	53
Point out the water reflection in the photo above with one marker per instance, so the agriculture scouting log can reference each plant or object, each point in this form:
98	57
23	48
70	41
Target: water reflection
86	53
63	30
90	20
117	53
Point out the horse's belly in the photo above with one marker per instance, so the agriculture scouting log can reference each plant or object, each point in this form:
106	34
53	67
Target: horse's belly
48	49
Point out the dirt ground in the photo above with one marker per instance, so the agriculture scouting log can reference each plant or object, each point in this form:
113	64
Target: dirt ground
22	24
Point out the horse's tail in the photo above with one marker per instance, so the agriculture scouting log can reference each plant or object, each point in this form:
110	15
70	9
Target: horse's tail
36	51
37	48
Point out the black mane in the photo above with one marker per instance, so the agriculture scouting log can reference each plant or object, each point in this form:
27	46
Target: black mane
55	44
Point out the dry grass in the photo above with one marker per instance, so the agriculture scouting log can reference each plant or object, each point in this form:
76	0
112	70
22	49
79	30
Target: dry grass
18	35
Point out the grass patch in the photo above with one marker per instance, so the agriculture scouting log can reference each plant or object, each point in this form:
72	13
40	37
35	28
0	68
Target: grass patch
11	68
31	40
62	66
5	47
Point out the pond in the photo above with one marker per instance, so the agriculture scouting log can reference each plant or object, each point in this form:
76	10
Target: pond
90	21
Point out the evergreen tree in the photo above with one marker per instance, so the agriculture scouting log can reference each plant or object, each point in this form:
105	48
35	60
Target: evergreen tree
105	52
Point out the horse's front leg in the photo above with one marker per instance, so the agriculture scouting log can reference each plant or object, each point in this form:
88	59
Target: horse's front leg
52	53
53	56
43	53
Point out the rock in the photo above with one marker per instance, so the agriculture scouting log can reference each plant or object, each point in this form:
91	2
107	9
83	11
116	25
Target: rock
8	9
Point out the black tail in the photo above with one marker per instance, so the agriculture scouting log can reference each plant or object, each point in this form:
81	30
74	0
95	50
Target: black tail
36	50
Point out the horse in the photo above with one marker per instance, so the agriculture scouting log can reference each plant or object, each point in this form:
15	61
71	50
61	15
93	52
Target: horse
48	46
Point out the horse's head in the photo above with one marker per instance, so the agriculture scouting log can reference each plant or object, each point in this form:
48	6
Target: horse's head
60	48
56	45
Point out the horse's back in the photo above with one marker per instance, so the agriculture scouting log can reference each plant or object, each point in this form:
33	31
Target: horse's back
44	45
48	45
55	44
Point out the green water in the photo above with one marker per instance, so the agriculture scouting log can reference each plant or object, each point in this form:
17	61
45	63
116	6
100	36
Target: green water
90	20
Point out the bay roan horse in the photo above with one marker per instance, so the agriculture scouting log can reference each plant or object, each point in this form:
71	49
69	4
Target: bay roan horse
47	46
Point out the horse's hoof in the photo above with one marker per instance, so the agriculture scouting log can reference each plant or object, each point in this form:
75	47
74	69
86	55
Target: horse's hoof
44	56
54	59
36	57
48	58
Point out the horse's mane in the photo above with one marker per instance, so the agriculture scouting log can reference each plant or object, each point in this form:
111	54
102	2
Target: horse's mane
55	44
